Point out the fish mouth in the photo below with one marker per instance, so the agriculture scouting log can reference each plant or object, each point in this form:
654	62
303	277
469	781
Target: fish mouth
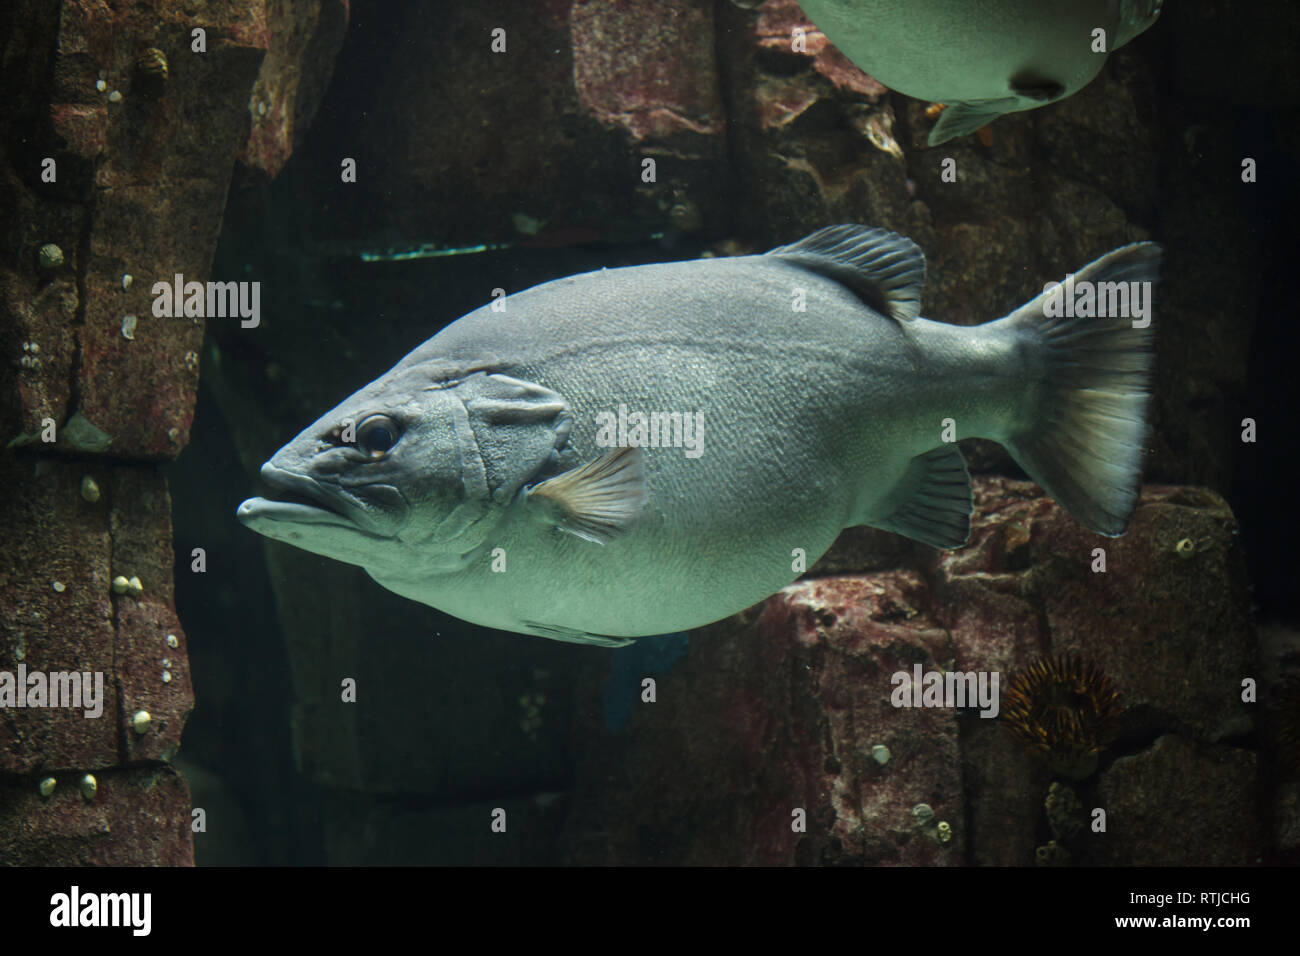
298	500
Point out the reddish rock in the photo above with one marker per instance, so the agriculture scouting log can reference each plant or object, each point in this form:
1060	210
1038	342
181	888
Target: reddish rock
151	675
811	134
638	65
868	549
775	30
802	683
302	40
541	143
86	627
802	687
1178	650
1174	632
148	174
53	535
138	817
137	188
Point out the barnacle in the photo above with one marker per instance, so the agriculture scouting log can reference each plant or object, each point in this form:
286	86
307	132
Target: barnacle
1051	854
49	257
1065	813
152	63
1065	710
141	721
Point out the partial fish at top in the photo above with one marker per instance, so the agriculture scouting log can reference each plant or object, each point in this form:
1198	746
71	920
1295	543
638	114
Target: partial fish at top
982	58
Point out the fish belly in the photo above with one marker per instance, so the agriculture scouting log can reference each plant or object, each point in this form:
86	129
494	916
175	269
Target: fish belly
811	416
952	51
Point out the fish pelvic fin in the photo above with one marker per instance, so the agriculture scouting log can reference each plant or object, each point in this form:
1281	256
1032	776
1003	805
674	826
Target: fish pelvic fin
962	119
596	501
933	503
1086	439
569	635
882	268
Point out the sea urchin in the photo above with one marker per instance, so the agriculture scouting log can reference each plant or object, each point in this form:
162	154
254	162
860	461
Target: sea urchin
1065	710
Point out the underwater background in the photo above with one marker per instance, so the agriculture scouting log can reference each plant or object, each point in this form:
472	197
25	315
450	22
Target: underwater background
1176	672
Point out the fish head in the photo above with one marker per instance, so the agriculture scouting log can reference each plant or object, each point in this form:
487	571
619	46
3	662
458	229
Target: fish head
411	474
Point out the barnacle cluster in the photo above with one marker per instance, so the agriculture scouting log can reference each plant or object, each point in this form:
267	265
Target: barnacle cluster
1065	710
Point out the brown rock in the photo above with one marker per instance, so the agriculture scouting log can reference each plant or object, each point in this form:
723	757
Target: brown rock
303	40
1286	818
138	817
802	687
1174	633
810	132
1178	804
54	535
86	627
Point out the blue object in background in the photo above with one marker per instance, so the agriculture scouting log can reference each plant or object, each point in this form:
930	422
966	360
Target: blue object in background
649	656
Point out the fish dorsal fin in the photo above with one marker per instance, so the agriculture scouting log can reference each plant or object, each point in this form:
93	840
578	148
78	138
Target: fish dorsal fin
884	269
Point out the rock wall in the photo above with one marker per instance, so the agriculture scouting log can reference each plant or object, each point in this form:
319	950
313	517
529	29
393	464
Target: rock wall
122	126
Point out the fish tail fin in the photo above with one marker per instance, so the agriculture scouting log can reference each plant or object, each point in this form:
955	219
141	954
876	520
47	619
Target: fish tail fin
1084	436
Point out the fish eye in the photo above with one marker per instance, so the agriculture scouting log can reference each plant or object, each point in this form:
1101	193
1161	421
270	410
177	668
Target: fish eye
377	434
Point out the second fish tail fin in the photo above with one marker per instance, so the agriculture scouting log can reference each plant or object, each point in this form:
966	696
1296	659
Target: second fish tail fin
1085	439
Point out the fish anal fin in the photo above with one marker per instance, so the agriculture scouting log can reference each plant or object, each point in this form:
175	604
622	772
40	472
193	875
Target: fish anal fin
933	502
962	119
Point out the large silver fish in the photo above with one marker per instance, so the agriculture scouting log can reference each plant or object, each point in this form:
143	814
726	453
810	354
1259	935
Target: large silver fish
500	472
982	58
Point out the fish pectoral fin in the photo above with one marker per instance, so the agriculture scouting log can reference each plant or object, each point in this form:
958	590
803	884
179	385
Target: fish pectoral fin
884	269
596	501
962	119
571	636
934	500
